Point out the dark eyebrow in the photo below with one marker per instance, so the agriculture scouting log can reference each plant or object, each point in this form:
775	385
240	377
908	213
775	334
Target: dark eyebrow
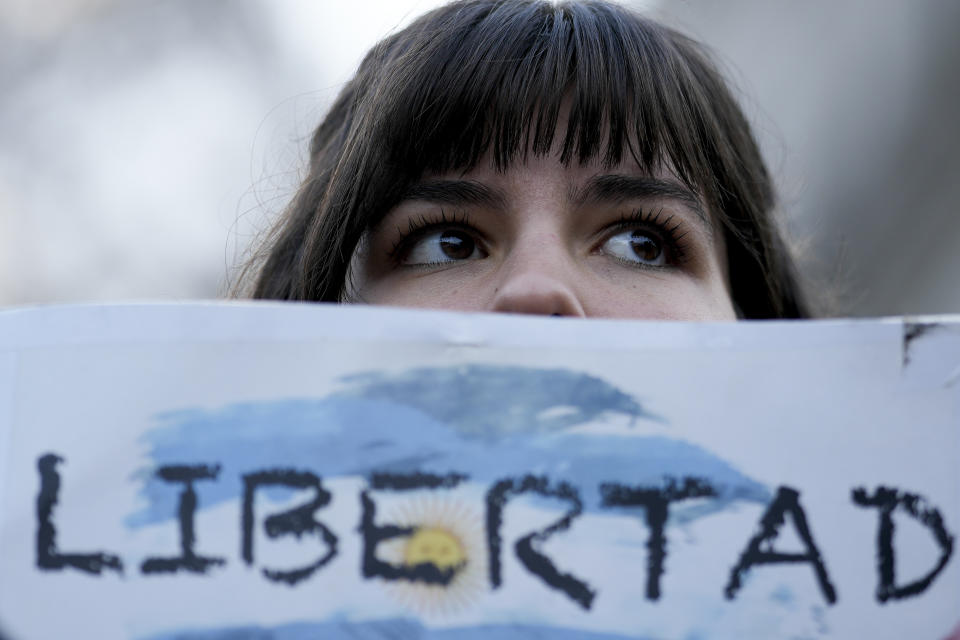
616	188
455	192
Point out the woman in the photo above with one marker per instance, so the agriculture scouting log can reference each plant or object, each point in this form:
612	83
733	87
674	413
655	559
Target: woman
525	156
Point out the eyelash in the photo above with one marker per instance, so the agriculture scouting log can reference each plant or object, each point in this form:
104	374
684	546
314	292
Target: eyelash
663	226
423	225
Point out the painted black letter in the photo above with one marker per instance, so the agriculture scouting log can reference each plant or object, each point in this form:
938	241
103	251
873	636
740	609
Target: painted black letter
296	521
786	501
48	558
187	560
886	500
656	504
426	572
536	562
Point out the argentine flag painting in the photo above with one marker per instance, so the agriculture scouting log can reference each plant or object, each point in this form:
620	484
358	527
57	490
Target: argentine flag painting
242	471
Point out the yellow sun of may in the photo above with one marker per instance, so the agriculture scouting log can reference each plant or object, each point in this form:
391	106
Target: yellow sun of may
436	546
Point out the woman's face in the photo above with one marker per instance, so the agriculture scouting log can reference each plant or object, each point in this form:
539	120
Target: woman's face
544	238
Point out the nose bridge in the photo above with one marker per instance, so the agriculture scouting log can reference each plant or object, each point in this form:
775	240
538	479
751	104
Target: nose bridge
538	277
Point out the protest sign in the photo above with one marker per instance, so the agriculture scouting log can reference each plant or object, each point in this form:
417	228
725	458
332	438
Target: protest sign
308	471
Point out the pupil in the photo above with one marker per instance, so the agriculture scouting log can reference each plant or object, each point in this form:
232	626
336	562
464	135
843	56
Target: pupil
645	247
456	245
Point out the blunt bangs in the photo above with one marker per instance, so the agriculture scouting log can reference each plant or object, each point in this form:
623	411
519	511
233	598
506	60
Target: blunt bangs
498	78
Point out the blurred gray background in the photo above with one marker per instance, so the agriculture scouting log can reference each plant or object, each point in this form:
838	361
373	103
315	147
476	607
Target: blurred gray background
144	143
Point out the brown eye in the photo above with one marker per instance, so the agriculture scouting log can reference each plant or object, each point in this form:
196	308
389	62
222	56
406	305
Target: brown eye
639	247
456	244
645	247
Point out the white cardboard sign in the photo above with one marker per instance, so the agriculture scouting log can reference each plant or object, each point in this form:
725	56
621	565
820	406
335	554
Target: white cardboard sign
306	471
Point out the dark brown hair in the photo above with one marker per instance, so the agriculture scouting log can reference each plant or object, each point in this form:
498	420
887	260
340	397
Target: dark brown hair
493	75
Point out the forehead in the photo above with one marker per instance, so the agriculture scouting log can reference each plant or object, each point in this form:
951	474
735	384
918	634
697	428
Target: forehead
531	167
593	181
528	163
